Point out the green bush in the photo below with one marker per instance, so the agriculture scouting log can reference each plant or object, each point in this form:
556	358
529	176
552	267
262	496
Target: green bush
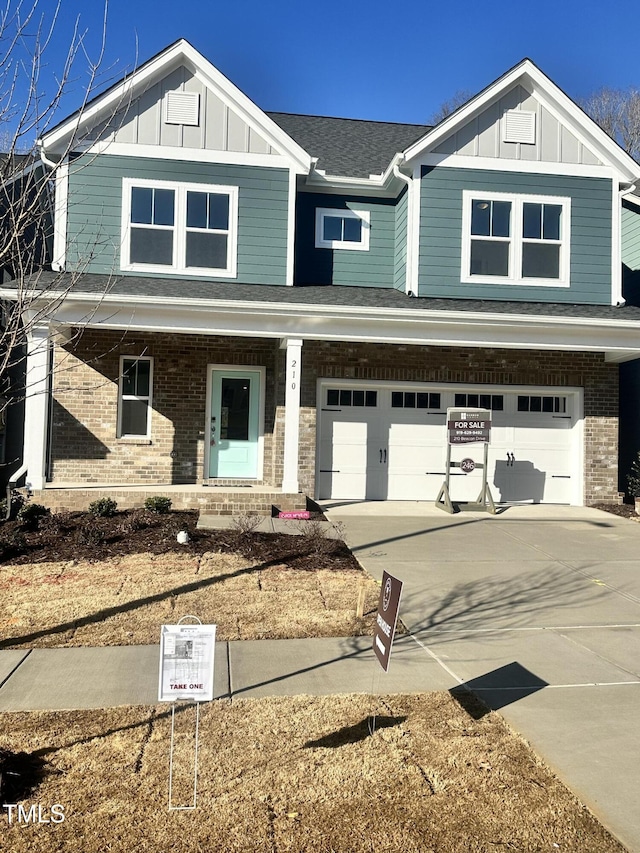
29	515
17	502
633	478
157	504
103	508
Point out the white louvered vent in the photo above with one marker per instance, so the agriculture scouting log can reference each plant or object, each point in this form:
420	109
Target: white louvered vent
520	126
183	108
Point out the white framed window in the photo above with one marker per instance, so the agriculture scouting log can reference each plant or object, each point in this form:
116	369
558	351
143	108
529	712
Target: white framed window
513	239
342	229
135	393
180	228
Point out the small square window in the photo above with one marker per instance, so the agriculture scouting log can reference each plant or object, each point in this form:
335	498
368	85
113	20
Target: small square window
371	399
358	398
397	399
333	397
342	229
345	398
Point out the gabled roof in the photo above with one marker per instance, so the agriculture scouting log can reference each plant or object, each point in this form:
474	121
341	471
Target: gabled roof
354	148
179	53
531	78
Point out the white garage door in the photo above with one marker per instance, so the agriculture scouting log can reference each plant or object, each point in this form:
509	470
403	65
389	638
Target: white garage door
381	442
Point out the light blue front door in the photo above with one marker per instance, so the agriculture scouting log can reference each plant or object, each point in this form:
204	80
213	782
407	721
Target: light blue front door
235	409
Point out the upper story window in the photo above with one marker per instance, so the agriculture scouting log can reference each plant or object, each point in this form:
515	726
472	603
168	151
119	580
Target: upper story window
342	229
515	239
182	228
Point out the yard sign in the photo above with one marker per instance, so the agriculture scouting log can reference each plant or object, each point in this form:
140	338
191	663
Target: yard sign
385	627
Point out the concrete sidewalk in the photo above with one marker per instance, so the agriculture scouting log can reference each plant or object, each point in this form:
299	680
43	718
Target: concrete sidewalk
537	609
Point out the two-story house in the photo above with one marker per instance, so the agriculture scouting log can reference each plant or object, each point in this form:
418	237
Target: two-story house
258	303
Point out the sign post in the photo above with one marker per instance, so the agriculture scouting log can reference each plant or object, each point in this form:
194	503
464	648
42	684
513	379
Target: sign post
186	672
466	426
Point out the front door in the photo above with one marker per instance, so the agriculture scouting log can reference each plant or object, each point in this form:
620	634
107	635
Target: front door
235	424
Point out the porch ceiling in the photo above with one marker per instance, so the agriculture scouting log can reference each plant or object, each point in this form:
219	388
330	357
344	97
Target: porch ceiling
358	314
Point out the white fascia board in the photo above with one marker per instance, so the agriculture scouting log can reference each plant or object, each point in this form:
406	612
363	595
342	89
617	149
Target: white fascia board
386	184
182	52
195	155
554	99
533	167
620	340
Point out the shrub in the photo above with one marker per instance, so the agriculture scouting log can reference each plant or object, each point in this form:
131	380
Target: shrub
246	524
17	502
158	504
633	478
29	515
89	534
103	508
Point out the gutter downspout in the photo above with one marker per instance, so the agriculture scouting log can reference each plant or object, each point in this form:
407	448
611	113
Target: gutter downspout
409	240
618	299
13	481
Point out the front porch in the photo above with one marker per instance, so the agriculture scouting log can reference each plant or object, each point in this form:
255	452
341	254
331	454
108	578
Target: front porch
219	500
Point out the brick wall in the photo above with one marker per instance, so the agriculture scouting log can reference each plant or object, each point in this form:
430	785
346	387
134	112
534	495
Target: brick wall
86	449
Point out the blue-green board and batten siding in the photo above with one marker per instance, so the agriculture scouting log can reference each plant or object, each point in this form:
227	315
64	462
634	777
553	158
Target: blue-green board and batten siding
373	268
441	193
95	211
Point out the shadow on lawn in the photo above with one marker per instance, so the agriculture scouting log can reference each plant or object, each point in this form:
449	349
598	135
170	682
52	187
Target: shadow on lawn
356	733
127	607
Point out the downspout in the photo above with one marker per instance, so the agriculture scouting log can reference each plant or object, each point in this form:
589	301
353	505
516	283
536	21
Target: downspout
13	482
409	241
618	298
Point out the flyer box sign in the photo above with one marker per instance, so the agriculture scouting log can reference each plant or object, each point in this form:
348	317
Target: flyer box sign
386	619
468	426
186	662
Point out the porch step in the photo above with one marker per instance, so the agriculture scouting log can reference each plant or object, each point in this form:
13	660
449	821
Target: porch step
215	501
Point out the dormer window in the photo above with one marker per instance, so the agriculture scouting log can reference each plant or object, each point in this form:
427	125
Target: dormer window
342	229
179	228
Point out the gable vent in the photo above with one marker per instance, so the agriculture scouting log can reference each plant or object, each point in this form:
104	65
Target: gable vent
183	108
520	126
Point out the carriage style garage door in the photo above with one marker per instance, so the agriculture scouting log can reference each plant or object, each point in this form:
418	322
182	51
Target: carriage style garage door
388	442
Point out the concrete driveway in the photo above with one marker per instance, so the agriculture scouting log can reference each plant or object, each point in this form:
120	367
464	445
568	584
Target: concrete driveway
538	610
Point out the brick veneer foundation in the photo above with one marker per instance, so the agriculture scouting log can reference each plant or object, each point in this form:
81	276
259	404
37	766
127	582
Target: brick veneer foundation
85	448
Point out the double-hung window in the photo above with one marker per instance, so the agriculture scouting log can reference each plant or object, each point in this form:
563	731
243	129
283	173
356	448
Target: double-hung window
342	229
515	239
179	228
135	395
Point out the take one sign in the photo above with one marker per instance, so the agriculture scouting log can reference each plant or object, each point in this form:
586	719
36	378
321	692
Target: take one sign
385	627
186	662
468	426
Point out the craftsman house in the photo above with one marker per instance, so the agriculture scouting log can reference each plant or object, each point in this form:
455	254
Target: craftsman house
264	306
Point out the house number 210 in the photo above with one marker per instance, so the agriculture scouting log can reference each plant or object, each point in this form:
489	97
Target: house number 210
294	373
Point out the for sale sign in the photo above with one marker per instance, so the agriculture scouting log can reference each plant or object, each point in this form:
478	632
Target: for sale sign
385	627
186	662
468	426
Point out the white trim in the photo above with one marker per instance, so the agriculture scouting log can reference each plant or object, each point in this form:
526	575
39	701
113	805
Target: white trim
196	155
413	265
121	397
293	381
60	217
173	57
229	369
494	164
36	404
516	240
179	228
616	246
364	216
291	227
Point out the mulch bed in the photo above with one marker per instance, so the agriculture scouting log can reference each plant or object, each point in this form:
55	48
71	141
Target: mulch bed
82	536
623	510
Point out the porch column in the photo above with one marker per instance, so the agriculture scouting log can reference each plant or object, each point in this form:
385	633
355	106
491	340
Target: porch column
291	413
36	406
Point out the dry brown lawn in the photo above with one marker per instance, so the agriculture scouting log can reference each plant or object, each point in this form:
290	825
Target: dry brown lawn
122	600
295	774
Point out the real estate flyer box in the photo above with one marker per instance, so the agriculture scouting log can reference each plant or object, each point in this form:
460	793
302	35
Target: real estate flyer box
186	662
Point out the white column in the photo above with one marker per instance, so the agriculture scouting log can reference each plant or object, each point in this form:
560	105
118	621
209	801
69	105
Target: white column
291	413
36	405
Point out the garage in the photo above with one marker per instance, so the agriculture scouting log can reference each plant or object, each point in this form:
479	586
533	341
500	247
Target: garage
380	441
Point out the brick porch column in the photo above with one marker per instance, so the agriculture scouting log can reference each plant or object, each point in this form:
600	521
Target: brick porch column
36	406
293	375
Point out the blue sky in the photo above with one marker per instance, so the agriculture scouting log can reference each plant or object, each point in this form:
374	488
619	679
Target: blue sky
377	60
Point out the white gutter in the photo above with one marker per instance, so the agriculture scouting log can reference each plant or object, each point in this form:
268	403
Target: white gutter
13	481
616	295
408	279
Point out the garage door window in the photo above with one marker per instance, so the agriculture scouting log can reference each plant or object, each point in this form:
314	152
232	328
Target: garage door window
535	403
351	397
414	400
495	402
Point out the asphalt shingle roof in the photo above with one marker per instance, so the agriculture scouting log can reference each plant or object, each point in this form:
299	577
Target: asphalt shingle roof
323	295
353	148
